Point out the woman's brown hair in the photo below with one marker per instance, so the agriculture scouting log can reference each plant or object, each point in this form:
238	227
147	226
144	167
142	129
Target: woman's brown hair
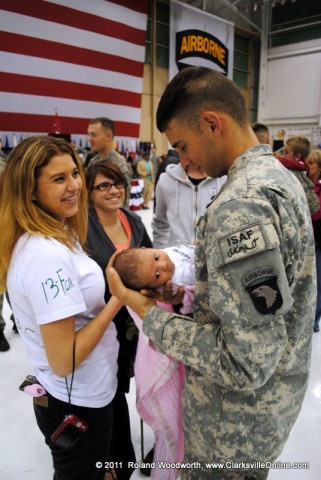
20	214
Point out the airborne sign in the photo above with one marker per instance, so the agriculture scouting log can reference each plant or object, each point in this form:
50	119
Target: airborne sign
195	43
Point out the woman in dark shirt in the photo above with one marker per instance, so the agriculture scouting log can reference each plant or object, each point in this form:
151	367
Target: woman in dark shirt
111	228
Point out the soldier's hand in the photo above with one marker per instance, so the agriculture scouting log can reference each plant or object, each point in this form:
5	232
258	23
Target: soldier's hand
167	296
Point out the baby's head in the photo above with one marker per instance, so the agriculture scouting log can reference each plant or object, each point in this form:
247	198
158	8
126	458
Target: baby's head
144	267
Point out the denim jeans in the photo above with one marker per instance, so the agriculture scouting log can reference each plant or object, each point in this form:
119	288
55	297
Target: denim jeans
79	462
318	267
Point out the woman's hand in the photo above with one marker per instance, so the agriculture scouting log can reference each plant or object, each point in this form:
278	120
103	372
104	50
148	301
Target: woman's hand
116	286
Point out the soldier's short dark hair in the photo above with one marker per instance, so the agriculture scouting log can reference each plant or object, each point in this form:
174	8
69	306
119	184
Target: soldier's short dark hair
194	89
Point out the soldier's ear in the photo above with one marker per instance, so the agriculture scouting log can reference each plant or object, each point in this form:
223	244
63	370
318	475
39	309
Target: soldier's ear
212	121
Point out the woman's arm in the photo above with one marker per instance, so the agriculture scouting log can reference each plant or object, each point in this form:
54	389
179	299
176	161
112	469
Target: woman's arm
59	337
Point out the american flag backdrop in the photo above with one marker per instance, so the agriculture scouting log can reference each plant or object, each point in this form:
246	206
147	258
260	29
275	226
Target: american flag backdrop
76	59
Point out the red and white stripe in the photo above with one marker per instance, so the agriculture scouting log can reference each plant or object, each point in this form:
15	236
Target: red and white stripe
83	58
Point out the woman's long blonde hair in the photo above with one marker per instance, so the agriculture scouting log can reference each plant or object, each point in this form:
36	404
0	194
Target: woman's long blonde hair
20	214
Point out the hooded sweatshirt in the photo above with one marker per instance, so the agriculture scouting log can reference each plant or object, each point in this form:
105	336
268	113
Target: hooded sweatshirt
179	206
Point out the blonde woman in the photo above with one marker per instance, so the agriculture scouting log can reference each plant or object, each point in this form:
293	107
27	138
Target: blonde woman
57	297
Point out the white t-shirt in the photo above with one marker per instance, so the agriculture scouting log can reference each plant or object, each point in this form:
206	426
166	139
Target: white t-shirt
183	257
48	282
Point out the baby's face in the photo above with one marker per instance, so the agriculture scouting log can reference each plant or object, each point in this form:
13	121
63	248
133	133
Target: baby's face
158	267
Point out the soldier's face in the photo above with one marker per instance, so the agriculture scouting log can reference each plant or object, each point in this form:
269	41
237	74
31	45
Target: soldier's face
99	137
199	147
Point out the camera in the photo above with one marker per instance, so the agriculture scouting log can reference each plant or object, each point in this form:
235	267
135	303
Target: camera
69	431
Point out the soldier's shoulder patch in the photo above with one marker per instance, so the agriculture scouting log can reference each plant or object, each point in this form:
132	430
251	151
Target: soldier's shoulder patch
261	284
242	243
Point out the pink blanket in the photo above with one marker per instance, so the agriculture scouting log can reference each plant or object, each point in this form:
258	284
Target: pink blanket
159	384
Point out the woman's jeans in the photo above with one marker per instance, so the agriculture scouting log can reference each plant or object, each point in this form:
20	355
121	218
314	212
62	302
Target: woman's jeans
87	459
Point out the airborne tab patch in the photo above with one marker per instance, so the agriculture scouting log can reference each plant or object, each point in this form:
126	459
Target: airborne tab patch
261	284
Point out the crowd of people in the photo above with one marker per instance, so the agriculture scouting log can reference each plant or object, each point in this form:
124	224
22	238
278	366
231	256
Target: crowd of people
78	269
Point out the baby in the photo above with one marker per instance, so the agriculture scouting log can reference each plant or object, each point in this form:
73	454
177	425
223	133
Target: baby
150	268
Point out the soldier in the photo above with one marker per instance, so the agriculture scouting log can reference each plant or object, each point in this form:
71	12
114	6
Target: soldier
101	132
247	348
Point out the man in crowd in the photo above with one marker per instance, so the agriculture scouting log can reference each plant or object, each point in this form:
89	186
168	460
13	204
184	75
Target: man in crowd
101	132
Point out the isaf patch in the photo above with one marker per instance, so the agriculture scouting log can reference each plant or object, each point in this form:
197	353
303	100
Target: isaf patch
262	286
243	243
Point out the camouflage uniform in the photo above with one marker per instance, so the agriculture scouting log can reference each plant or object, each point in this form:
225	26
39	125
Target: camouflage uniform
247	350
308	186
